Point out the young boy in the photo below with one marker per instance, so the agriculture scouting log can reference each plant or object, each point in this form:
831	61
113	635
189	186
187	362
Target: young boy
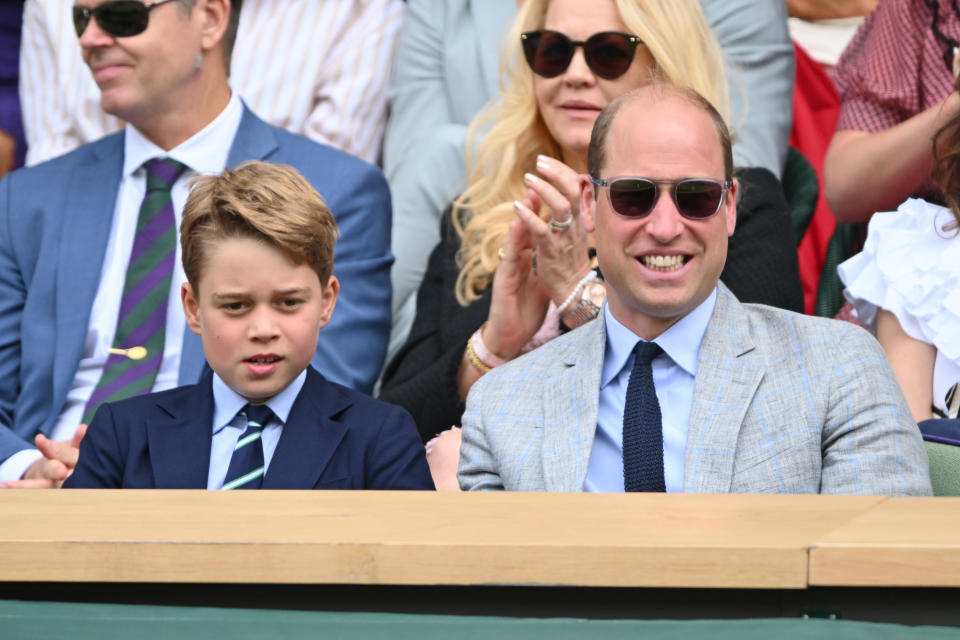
257	244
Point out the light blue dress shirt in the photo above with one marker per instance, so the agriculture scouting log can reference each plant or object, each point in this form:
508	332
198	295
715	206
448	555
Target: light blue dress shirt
673	377
228	426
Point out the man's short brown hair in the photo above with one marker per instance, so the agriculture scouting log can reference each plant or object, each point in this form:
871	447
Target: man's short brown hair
655	91
272	203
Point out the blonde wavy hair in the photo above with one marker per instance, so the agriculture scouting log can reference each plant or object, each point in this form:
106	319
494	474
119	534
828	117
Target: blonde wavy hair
685	53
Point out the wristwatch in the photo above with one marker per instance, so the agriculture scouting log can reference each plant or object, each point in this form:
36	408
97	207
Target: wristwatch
588	307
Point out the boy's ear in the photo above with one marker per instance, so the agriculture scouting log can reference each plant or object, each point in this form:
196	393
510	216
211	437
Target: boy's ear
191	307
328	300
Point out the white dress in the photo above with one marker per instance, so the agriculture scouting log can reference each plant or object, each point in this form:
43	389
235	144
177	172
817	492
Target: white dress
910	266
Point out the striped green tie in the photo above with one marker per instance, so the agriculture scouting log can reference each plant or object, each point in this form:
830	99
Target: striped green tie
246	465
146	289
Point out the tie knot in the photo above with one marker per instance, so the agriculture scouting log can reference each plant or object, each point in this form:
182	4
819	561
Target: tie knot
162	173
257	414
645	352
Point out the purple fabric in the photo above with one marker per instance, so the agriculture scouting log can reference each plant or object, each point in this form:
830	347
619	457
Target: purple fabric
11	23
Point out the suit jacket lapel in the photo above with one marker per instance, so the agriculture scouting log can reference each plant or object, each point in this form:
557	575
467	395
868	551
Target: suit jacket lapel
570	404
180	445
255	140
310	436
726	382
91	201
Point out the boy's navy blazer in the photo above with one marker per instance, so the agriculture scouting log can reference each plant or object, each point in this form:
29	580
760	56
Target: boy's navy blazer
334	438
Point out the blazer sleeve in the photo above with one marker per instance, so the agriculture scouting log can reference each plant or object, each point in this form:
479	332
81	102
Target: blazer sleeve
13	295
760	75
100	465
398	460
477	470
422	378
351	349
423	149
871	444
762	254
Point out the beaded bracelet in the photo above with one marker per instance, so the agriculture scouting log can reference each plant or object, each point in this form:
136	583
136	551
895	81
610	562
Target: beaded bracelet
486	356
584	280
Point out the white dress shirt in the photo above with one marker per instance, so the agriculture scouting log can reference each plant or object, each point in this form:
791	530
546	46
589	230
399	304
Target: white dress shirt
319	68
205	152
674	375
228	426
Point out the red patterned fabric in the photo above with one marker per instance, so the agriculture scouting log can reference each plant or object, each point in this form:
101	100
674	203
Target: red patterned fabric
815	110
897	64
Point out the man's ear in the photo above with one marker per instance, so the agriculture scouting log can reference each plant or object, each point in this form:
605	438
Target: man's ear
588	203
328	300
730	207
214	19
191	307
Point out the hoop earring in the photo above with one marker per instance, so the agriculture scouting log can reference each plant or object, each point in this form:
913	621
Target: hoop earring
198	61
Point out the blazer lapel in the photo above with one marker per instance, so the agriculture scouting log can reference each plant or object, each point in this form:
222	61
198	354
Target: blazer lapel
91	200
180	446
570	404
255	140
726	382
310	436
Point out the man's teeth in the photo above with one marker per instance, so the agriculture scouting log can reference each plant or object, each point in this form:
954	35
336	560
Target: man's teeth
663	263
262	360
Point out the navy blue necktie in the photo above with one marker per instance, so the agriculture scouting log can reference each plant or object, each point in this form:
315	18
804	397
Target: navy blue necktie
246	464
642	425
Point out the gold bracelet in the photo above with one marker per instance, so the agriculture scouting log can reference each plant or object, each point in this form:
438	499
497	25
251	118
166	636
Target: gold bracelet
474	359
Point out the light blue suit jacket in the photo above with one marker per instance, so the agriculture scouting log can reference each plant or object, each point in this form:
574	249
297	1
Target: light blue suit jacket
782	403
54	225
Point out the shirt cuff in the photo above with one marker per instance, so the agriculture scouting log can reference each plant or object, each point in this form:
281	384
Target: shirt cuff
16	465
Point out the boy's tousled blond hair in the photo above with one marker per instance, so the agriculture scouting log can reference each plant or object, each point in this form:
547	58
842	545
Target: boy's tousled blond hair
272	203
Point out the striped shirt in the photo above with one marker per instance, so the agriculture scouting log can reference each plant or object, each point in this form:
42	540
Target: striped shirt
320	69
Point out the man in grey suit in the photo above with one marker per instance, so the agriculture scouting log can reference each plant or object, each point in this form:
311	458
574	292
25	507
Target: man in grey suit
737	398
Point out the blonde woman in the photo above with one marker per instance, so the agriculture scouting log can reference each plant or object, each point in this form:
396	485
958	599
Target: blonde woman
514	267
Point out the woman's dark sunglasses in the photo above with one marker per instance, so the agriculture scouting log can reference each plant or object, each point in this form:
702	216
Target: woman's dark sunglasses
608	53
695	198
120	18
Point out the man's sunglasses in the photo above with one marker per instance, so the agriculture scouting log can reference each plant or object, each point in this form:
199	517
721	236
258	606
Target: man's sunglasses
119	18
608	53
695	198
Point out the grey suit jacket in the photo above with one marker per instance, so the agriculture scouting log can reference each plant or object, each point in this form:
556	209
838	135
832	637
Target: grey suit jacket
783	403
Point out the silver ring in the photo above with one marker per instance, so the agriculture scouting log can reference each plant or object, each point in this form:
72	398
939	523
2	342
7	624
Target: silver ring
556	225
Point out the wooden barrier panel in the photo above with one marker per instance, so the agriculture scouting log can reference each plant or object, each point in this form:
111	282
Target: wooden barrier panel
410	538
911	542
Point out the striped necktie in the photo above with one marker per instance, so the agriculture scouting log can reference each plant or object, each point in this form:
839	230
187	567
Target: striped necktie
146	290
642	425
246	465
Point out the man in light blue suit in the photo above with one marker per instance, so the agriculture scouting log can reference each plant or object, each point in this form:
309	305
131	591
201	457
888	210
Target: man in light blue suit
67	227
677	386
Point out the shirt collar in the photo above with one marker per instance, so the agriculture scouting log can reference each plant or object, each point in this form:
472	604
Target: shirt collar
227	402
681	341
204	152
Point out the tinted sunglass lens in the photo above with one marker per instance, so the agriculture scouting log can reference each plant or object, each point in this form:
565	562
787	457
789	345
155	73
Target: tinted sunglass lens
608	54
81	18
633	198
547	52
123	19
698	198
